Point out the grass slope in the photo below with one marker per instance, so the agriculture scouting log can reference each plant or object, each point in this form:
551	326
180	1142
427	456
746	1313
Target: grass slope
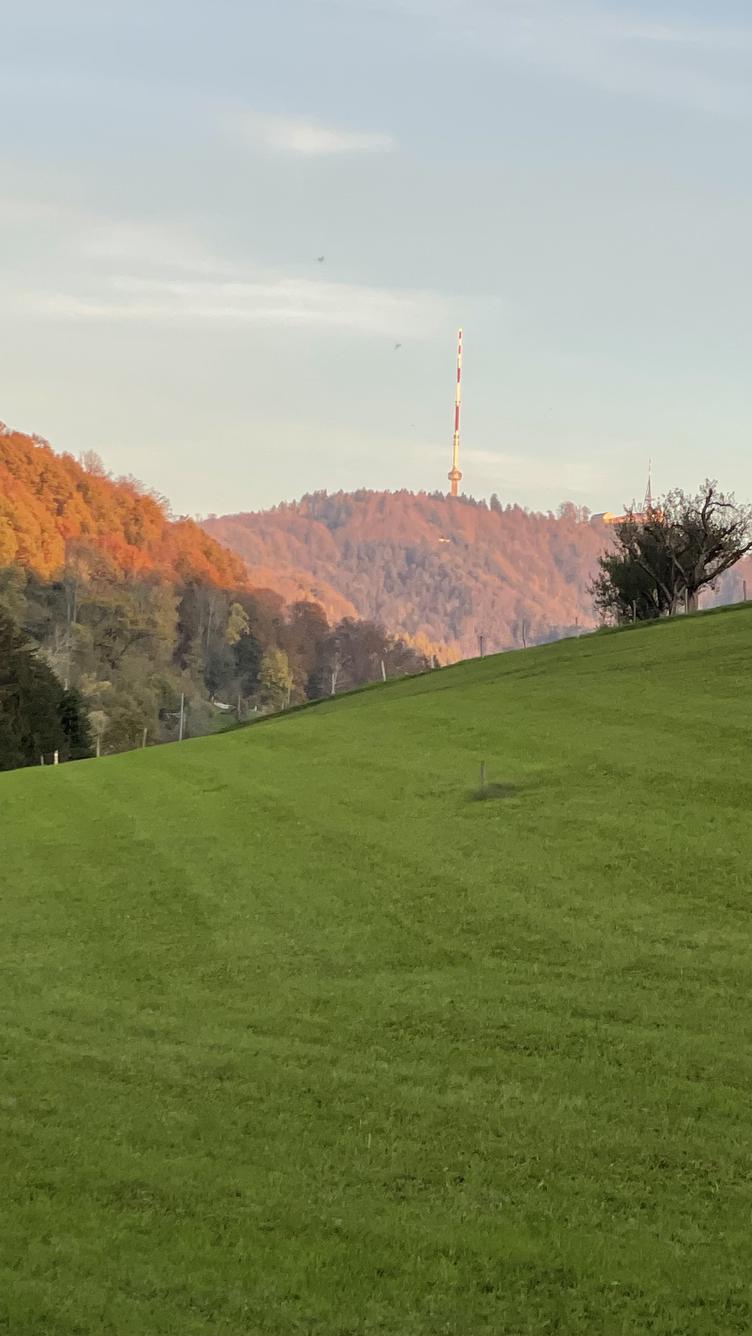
300	1038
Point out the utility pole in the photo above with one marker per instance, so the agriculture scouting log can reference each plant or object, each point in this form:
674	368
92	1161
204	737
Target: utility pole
481	639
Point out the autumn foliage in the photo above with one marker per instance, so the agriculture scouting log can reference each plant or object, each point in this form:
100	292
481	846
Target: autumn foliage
51	502
129	628
437	570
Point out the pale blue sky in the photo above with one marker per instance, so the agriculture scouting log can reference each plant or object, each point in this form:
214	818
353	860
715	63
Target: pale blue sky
568	179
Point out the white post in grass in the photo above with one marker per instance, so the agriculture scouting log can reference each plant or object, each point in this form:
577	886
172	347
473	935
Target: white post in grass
182	716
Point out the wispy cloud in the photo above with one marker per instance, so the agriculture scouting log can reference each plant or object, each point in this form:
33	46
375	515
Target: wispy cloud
19	211
303	136
288	302
696	36
164	247
144	272
524	470
675	63
615	48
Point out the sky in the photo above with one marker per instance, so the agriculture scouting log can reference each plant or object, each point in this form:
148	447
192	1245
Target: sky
569	180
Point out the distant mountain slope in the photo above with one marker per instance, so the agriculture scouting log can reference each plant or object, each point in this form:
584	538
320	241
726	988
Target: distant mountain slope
437	570
49	502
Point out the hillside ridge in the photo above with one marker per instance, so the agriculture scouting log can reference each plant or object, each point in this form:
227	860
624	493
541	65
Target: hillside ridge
52	504
440	571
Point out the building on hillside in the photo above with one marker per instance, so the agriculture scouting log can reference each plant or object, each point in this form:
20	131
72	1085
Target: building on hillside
639	516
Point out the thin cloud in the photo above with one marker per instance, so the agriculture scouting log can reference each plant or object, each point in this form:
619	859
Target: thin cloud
706	37
675	64
615	49
152	246
518	471
304	137
27	212
287	302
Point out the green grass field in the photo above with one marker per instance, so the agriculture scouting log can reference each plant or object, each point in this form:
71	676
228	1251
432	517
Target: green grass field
300	1038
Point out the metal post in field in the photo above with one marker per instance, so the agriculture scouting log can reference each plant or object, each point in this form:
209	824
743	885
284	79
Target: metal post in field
182	716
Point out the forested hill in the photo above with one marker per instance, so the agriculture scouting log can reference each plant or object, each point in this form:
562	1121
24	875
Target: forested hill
51	504
121	627
438	570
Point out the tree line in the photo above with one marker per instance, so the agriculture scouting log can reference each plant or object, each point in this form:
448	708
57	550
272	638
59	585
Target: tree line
121	654
119	613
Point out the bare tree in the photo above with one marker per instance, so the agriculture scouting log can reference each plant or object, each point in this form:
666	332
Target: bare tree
711	532
336	668
666	557
92	463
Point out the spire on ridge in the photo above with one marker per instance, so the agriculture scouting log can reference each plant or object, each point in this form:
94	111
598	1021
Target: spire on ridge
648	502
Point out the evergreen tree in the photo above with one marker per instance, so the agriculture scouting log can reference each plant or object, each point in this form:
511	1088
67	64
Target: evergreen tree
37	717
75	725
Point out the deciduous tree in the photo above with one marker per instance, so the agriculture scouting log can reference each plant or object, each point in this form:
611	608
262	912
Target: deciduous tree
666	557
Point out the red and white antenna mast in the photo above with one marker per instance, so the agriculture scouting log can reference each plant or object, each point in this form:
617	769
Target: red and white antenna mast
455	476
